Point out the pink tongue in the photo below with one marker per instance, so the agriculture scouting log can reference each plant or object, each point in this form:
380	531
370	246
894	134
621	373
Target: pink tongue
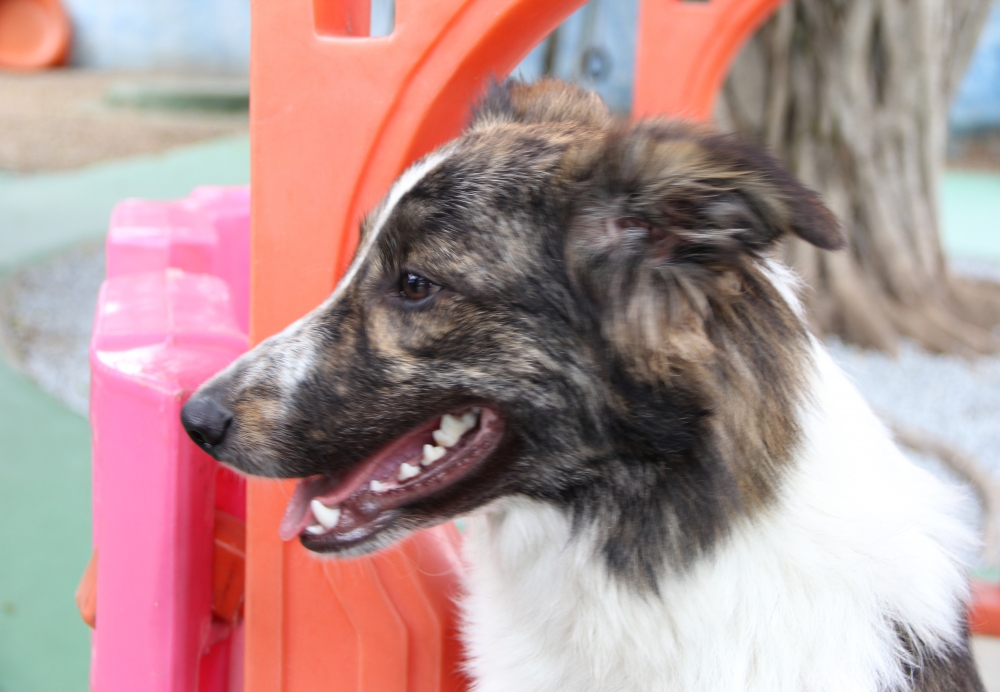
330	491
297	514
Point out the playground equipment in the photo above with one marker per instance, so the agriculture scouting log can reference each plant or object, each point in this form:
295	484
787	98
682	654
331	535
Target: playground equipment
336	116
172	311
33	34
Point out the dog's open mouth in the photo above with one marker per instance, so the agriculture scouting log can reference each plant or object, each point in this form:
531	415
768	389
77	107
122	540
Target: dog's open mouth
337	512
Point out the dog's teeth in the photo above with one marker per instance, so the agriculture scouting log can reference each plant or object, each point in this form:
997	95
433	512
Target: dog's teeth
448	421
431	454
315	529
451	429
327	516
407	472
376	486
443	439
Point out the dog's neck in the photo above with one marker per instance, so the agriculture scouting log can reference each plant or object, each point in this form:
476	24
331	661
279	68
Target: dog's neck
701	438
822	580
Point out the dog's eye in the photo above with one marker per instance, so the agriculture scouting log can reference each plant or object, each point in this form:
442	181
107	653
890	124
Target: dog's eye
416	287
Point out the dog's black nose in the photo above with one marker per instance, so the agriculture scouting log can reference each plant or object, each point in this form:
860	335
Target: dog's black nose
206	421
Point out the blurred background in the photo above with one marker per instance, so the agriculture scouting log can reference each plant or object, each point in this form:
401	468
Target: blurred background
898	126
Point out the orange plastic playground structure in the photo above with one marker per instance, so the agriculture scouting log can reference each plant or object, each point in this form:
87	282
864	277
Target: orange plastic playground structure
336	115
33	34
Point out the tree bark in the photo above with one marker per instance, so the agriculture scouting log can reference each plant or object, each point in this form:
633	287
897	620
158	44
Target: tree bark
853	96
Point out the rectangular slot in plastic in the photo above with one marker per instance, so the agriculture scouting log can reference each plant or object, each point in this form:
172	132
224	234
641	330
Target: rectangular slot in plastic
354	18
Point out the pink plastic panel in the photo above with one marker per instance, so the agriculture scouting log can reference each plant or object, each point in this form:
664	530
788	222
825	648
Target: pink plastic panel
151	307
172	312
207	232
153	517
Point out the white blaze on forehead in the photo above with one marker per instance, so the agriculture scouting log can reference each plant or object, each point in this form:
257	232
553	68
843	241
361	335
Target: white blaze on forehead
406	182
292	355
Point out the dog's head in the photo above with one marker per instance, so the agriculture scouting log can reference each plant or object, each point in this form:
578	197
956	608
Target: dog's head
555	305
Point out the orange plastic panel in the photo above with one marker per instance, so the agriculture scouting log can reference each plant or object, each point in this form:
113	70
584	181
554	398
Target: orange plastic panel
685	48
86	592
335	117
984	611
228	567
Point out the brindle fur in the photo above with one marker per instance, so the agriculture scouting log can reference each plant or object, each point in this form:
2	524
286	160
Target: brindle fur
605	289
952	671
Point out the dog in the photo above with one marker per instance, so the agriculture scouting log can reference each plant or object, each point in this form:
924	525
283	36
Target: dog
573	330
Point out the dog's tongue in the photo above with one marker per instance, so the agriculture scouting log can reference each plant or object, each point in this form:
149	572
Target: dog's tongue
332	491
295	519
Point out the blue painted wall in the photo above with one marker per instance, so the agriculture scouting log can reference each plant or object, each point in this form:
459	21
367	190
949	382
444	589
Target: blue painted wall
174	35
187	35
977	104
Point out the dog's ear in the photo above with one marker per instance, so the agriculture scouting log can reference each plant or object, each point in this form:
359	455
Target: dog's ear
699	193
543	101
667	227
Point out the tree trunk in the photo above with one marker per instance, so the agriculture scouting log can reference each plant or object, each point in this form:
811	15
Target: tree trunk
853	96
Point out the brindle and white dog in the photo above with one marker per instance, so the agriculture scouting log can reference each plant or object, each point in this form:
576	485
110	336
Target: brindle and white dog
571	329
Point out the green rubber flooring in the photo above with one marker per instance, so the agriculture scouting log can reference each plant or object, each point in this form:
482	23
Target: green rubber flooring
43	212
45	538
970	214
44	448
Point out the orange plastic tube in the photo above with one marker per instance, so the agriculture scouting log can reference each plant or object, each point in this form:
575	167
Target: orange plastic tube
34	34
984	611
335	117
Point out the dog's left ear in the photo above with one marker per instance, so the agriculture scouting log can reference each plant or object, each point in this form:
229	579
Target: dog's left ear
666	226
698	191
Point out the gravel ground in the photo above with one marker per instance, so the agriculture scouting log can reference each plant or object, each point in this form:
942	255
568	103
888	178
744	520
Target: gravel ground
977	269
46	316
60	119
956	399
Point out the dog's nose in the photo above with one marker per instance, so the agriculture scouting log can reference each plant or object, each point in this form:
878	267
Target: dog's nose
206	421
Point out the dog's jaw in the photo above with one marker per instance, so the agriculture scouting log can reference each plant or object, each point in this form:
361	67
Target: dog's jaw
334	514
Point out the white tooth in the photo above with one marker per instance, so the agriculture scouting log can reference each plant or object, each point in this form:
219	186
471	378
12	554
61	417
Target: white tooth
315	529
444	439
376	486
327	516
431	454
406	471
451	429
449	422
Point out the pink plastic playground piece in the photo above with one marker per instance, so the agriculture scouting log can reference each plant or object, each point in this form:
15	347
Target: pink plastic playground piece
168	521
172	312
205	233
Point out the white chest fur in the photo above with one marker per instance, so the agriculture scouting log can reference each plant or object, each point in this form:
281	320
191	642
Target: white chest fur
805	598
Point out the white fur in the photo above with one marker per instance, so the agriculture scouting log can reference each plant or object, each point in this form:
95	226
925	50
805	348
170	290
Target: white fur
787	282
802	598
